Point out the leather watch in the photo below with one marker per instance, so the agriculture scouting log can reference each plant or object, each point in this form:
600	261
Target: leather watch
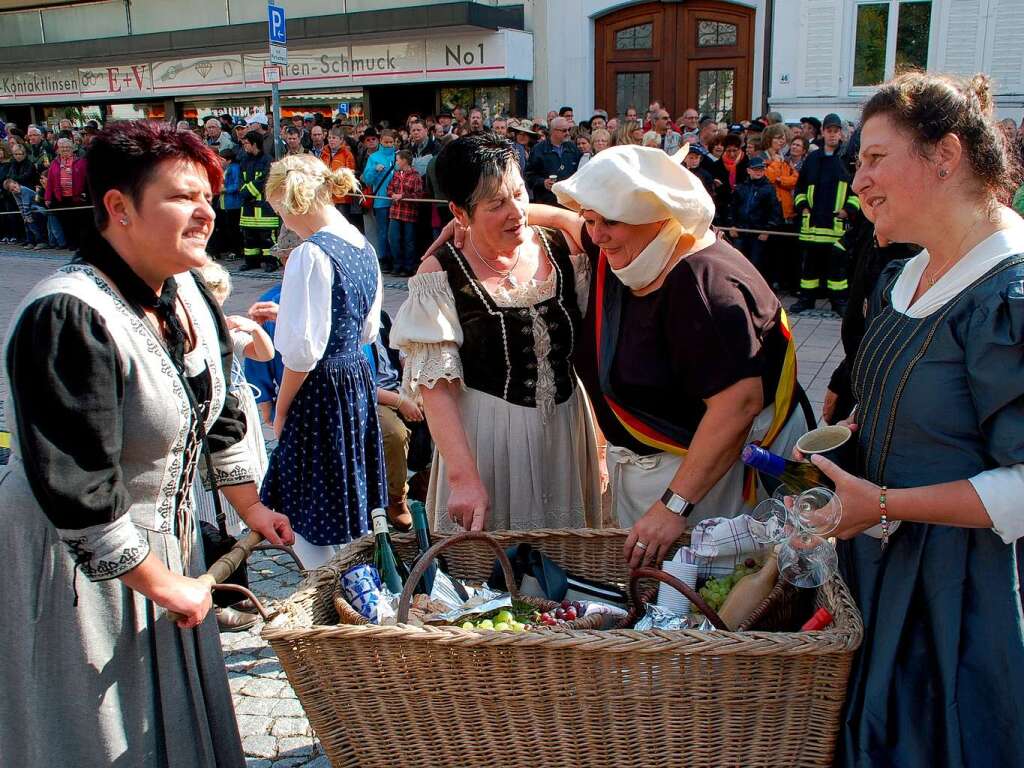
677	503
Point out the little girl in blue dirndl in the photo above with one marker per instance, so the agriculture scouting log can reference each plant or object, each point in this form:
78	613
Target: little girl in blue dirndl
327	472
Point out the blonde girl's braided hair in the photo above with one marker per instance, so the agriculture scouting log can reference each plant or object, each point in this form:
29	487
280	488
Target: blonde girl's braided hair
304	182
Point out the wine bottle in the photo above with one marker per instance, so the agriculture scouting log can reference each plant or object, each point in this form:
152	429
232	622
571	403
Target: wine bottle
749	593
393	572
798	476
419	524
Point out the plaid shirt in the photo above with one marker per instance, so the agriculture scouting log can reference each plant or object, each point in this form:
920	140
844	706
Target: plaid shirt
409	185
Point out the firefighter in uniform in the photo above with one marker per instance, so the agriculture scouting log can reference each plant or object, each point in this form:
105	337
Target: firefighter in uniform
258	221
824	202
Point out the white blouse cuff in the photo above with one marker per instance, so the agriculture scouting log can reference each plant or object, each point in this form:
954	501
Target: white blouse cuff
1001	490
427	364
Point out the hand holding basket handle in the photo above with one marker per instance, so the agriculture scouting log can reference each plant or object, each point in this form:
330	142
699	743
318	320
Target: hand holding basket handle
428	557
667	578
227	565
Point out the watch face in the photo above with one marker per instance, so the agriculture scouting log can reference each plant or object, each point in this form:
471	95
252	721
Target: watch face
676	503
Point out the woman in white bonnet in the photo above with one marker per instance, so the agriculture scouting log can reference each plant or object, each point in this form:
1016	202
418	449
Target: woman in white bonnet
685	352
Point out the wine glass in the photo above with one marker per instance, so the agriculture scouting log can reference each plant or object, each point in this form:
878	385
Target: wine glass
807	560
769	522
817	510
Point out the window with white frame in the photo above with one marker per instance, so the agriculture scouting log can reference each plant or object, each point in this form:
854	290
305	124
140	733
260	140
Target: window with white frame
891	36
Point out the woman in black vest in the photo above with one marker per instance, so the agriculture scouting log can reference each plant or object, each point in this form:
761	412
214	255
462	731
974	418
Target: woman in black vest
488	333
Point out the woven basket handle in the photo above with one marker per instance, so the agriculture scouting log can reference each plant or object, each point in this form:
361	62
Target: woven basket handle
428	557
667	578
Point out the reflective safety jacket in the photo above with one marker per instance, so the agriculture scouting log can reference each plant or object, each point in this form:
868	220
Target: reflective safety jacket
256	212
823	190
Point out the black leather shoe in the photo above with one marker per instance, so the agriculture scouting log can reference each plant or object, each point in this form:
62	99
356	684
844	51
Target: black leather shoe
232	620
801	305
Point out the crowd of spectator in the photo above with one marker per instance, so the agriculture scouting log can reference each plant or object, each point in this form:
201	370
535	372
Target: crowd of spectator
764	175
42	184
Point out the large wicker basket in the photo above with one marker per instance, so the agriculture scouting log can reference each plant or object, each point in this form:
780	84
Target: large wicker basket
445	697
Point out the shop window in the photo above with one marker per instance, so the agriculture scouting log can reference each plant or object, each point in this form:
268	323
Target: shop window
632	88
716	93
494	101
891	36
713	34
634	38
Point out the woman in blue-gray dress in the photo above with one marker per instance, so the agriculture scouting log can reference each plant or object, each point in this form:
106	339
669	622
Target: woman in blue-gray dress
327	471
939	379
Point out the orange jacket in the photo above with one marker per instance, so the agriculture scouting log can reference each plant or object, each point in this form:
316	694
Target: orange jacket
342	159
783	177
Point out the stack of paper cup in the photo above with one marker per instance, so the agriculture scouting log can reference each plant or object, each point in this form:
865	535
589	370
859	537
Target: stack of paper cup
668	597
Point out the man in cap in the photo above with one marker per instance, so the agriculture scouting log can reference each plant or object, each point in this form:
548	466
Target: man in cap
824	202
258	122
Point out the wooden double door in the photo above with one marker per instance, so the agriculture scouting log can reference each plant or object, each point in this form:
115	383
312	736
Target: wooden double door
698	53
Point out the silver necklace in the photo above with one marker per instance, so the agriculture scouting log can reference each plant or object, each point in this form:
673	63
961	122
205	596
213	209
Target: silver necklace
506	276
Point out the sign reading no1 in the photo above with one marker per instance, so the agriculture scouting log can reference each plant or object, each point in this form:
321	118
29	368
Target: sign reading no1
278	34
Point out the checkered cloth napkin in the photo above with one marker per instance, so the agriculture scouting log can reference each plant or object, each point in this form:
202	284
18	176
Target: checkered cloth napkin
719	544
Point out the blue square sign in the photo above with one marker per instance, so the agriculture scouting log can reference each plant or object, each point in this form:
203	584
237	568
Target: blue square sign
275	16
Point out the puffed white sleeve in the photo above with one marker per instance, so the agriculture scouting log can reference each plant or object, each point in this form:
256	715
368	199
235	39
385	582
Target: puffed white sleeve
427	331
304	317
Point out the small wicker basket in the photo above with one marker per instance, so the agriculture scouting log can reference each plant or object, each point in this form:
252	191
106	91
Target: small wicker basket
563	698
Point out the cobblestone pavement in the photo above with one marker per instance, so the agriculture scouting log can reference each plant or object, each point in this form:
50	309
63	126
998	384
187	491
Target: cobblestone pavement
275	732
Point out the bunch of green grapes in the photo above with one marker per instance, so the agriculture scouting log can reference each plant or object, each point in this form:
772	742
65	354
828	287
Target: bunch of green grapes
715	591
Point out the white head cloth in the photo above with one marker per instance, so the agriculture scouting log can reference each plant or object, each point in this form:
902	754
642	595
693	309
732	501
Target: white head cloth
641	185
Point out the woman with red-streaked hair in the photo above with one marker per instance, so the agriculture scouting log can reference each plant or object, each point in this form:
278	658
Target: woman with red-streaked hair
118	395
